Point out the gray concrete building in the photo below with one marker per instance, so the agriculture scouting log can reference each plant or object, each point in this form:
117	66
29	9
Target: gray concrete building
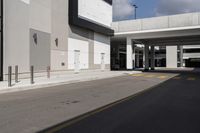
63	34
76	35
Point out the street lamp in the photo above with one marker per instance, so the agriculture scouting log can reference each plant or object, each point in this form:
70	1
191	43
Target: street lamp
135	7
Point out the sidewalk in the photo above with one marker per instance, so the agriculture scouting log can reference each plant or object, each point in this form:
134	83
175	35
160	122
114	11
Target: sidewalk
59	79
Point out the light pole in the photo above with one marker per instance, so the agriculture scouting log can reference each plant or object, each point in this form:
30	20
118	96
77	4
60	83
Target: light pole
135	7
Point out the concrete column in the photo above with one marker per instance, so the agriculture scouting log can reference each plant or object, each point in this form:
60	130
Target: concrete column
181	56
184	63
146	57
152	57
171	54
138	59
129	54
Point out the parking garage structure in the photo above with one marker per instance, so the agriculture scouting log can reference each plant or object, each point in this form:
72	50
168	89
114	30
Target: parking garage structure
173	32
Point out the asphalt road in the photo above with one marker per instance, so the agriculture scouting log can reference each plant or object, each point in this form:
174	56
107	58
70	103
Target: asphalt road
34	110
171	107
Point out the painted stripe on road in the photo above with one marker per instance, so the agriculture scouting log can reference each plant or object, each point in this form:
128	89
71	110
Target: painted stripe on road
149	76
137	75
177	78
162	77
191	78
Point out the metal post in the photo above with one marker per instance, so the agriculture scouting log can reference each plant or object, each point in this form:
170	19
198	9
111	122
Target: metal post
135	7
32	75
48	72
16	74
135	13
10	76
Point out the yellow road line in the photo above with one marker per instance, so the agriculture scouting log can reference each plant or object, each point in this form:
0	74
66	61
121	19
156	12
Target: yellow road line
162	77
149	76
137	75
191	78
177	78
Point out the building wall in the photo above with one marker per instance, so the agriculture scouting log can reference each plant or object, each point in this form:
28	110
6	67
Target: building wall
83	47
88	10
55	41
40	25
101	45
16	34
40	50
59	52
97	44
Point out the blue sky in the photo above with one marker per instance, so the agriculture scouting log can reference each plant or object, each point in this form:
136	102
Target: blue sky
151	8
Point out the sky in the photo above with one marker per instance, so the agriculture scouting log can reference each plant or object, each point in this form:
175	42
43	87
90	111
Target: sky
123	9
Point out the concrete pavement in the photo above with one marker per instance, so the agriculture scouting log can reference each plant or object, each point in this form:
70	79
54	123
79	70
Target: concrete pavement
34	110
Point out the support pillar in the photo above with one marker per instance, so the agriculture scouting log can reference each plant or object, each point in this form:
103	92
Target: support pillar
152	57
143	57
171	56
130	55
146	57
138	59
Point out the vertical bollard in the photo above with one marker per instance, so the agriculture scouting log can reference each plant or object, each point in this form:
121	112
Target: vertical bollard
48	72
9	76
16	74
32	74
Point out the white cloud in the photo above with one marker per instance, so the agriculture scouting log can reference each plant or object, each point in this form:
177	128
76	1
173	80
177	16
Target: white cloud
122	9
169	7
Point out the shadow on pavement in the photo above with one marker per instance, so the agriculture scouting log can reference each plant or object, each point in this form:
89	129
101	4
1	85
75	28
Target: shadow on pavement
171	107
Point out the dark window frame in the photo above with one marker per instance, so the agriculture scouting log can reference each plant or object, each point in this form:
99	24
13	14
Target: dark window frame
188	51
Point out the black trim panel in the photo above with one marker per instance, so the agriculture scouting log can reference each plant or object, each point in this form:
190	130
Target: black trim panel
108	1
74	19
1	43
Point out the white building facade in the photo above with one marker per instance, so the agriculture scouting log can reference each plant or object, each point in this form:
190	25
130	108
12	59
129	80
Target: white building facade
63	34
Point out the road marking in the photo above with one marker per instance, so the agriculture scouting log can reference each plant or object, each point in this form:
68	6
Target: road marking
162	77
149	76
191	78
177	78
137	75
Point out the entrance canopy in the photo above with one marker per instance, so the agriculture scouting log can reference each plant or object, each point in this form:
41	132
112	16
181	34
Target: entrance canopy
171	31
